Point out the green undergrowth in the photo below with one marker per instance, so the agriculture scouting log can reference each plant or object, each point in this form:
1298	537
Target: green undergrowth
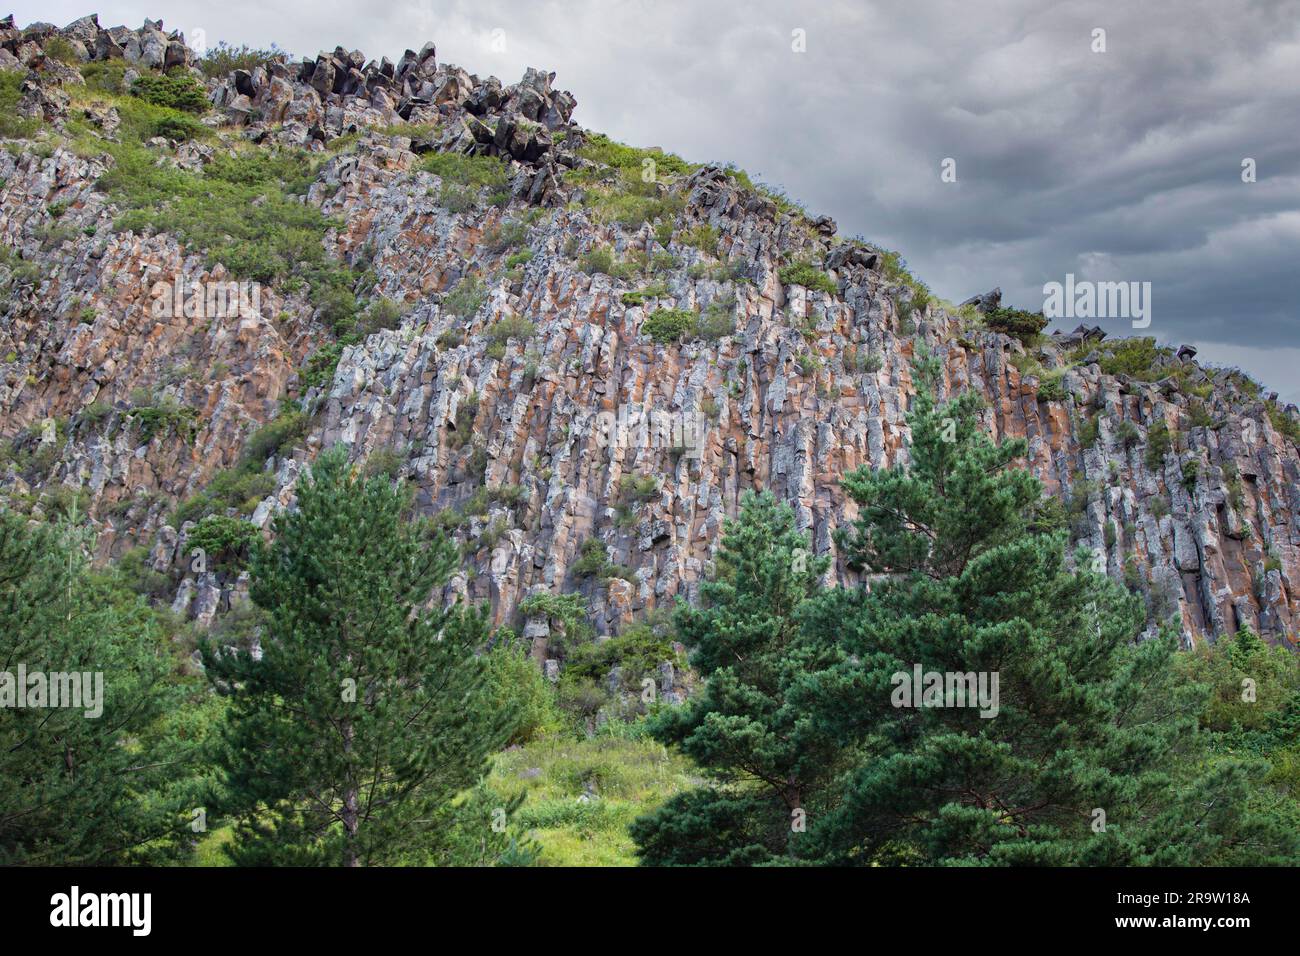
13	126
580	795
245	209
243	487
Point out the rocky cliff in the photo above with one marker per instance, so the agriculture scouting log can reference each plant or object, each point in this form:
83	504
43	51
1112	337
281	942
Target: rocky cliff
527	295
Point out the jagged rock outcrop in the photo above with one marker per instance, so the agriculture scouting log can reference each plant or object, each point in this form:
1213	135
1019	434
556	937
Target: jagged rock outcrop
798	387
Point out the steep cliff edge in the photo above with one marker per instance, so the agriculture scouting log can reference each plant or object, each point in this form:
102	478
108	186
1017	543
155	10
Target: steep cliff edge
474	288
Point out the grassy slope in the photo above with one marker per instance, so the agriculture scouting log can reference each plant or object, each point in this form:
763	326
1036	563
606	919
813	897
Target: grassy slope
621	779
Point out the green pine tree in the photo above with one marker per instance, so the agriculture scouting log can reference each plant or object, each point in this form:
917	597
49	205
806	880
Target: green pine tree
1252	710
368	712
111	788
768	764
1094	756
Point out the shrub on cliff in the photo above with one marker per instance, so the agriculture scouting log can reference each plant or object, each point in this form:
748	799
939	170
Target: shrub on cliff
668	325
1132	357
466	298
225	541
809	276
1016	322
178	91
220	60
12	125
477	172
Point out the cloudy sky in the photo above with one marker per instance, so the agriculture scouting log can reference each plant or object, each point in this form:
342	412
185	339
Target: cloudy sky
1117	165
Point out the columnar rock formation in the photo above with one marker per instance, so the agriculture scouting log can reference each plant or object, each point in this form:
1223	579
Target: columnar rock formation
809	385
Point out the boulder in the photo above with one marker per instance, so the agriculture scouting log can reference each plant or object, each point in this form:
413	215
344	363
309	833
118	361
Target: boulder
985	303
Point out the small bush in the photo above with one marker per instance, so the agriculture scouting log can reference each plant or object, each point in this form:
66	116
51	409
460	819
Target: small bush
1089	429
638	488
1159	444
867	362
227	542
703	237
668	325
599	260
177	91
457	199
592	560
506	235
475	171
520	258
320	368
515	683
57	48
221	59
809	276
466	298
511	327
12	125
1051	387
1286	425
1132	357
385	463
1023	325
718	320
641	296
166	417
179	128
1199	415
274	437
808	364
637	652
384	314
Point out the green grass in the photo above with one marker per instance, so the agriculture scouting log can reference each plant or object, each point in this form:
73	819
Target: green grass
165	417
602	150
1287	427
244	210
244	486
13	126
221	59
624	777
209	852
475	172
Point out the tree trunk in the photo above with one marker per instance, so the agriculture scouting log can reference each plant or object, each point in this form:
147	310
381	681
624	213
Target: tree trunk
351	806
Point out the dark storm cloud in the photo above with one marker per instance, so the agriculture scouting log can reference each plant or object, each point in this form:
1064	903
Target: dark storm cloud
1117	165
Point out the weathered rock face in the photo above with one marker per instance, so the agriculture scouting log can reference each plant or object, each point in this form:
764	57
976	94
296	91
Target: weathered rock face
808	385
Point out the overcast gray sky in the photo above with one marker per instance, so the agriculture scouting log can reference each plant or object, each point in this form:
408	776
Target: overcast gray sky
1116	165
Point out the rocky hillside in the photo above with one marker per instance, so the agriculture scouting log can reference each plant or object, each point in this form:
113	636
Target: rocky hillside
465	287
